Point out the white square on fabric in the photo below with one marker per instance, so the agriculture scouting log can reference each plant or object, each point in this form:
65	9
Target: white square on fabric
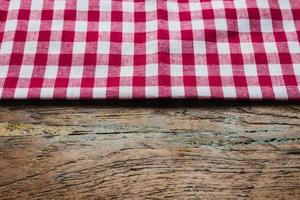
151	91
3	71
30	47
151	26
26	71
104	26
254	92
21	93
263	4
101	71
201	70
250	70
59	4
223	48
176	46
203	91
127	48
76	72
126	71
128	6
99	92
128	27
82	5
199	47
226	70
105	5
36	5
73	92
150	6
284	4
6	47
34	25
178	91
151	70
289	26
174	25
51	72
270	47
243	25
47	93
11	25
266	25
125	92
240	4
197	24
176	70
296	68
217	4
195	6
14	5
294	47
103	47
81	26
57	25
275	70
54	47
79	47
229	92
247	48
151	47
221	24
172	6
280	92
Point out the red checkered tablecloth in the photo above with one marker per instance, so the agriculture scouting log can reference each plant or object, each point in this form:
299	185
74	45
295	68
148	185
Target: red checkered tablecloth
102	49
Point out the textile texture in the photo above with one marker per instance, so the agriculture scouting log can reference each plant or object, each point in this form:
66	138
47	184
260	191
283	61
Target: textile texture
104	49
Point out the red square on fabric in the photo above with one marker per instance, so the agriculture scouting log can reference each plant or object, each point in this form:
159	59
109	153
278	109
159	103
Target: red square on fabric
61	82
65	60
23	14
36	82
93	15
139	81
68	36
139	16
3	15
92	36
117	16
90	59
290	80
87	82
10	82
16	59
44	36
47	15
240	81
70	15
20	36
189	81
265	81
40	59
113	82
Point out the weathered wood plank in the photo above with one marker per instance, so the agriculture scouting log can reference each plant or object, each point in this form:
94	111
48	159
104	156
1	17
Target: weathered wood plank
149	149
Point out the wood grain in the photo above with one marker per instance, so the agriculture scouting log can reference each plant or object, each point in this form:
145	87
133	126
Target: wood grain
180	149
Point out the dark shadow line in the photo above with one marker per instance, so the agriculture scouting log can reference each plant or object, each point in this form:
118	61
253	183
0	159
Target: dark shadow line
153	103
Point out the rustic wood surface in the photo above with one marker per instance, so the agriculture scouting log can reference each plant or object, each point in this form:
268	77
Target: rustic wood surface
180	149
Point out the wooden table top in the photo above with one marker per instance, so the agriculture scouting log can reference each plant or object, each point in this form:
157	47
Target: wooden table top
154	149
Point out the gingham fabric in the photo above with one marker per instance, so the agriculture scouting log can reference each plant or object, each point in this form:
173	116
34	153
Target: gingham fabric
103	49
